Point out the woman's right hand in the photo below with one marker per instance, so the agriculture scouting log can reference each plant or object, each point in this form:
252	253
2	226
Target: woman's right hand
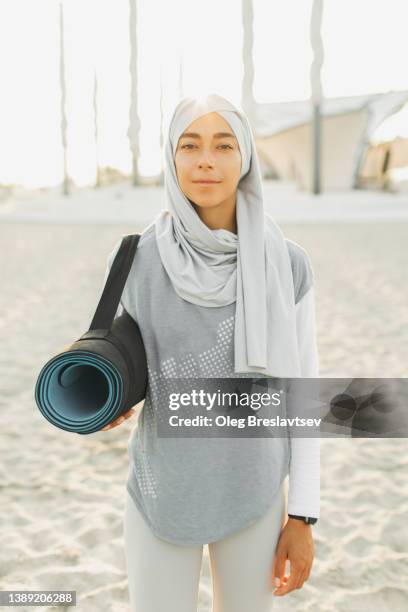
119	420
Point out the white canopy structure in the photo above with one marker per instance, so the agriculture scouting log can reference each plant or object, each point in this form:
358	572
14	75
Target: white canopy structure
380	162
283	133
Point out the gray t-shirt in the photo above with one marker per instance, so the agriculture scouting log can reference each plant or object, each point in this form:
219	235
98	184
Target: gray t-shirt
195	490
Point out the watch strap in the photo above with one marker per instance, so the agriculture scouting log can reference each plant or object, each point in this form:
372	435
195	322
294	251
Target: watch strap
309	520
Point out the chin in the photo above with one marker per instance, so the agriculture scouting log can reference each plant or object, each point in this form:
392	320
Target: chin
203	202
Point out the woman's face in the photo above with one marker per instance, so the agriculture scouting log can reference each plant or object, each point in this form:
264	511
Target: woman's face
208	150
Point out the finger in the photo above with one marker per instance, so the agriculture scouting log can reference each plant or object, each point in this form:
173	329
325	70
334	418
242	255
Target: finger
279	568
302	579
279	573
298	580
300	572
114	423
290	584
284	589
308	572
117	422
283	581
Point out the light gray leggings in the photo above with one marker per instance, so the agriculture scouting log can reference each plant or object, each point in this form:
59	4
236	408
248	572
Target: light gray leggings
164	577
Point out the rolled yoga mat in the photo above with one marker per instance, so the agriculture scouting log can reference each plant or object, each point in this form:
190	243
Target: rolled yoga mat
103	373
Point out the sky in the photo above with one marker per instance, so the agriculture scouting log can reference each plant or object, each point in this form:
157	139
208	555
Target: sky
364	45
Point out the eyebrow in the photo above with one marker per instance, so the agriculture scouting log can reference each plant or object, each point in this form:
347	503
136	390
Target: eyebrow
217	135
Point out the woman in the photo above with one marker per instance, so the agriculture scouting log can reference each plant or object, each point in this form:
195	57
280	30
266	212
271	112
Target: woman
217	291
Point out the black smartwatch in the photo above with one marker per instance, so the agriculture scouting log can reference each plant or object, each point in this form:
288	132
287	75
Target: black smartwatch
309	520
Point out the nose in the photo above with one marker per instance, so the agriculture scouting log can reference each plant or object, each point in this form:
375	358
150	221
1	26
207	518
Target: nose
206	161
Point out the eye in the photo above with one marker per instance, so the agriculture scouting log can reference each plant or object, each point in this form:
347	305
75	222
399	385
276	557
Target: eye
191	145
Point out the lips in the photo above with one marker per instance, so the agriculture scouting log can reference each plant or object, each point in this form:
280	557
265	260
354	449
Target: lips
205	182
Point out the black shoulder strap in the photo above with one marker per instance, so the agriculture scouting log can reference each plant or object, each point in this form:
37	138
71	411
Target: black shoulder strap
112	292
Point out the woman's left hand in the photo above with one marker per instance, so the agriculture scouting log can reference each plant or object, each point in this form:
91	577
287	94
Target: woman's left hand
296	544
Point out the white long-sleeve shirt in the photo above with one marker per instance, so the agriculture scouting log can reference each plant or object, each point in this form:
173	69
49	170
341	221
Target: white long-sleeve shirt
198	490
304	473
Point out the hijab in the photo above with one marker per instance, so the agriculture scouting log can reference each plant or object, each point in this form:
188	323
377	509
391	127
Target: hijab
214	268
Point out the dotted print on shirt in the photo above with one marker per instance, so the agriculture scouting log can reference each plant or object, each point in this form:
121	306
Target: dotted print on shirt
215	362
212	363
145	476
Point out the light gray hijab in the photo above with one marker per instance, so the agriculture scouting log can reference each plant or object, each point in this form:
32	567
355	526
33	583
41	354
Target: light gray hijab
214	268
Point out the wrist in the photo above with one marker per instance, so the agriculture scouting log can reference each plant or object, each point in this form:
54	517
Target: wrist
306	520
301	524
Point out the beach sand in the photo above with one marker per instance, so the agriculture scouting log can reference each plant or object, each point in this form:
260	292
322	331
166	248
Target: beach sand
62	494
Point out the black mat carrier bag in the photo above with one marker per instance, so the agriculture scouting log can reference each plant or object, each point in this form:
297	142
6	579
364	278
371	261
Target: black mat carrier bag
103	373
